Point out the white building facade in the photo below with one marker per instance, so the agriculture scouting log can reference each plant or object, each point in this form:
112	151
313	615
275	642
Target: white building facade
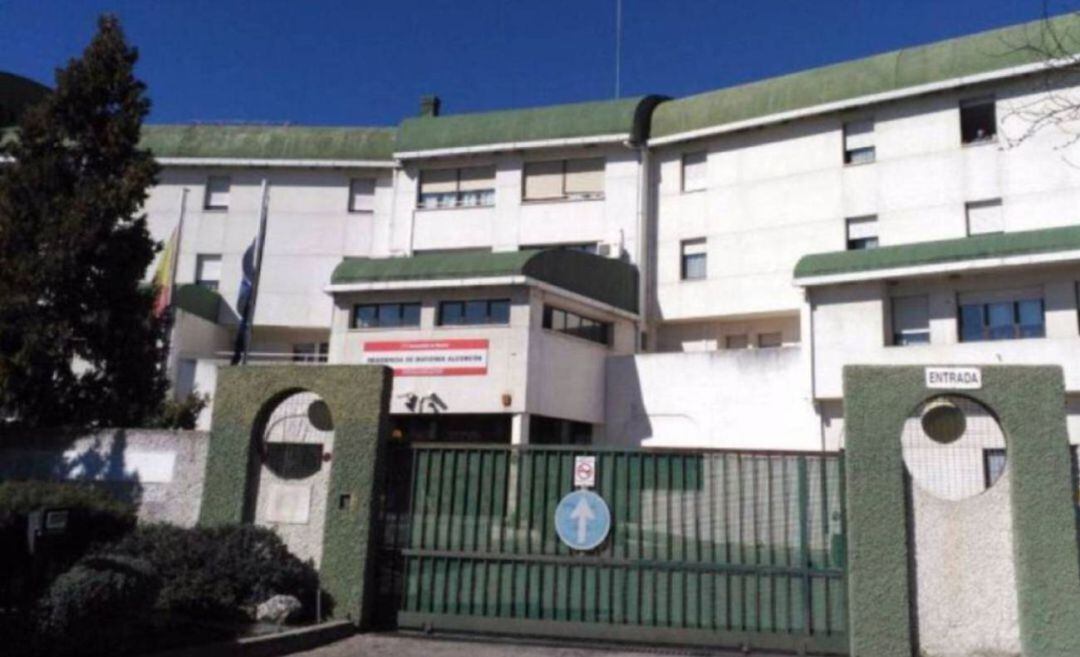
681	272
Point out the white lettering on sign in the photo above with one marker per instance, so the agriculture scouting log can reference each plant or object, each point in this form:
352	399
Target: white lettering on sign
584	471
429	357
956	378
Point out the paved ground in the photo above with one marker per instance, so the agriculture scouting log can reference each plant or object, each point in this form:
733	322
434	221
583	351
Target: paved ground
408	645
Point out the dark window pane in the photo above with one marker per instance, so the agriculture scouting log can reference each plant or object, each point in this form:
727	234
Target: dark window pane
499	312
1031	318
475	312
451	313
558	320
365	317
548	311
694	266
389	314
410	314
978	122
862	243
971	323
1000	320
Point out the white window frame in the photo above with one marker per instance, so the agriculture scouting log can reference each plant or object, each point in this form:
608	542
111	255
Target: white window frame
982	210
859	142
900	333
698	246
564	195
473	197
201	261
212	200
353	194
978	101
866	229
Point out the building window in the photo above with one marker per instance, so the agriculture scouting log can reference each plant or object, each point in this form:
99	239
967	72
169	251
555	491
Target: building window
217	193
564	179
739	341
310	352
477	311
694	260
859	142
862	233
208	270
694	170
769	340
584	247
467	187
570	323
362	195
978	120
984	217
911	320
385	315
1001	318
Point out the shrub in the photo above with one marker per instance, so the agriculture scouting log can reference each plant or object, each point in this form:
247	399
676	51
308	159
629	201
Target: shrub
182	414
97	518
99	592
220	572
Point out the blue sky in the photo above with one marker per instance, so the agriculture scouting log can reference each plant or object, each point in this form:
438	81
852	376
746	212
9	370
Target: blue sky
361	62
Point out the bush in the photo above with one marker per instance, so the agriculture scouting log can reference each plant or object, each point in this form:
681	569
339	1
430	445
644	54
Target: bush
220	573
26	496
182	414
100	592
97	517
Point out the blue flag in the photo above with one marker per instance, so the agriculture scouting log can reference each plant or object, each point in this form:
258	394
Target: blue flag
243	303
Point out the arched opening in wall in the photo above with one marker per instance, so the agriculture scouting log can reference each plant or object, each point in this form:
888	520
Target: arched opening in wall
954	447
294	439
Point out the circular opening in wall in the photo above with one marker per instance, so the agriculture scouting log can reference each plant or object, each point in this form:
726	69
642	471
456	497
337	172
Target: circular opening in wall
298	432
953	447
943	421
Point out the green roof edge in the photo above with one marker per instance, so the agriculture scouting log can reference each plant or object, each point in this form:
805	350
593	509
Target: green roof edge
269	142
607	280
962	56
1030	242
625	116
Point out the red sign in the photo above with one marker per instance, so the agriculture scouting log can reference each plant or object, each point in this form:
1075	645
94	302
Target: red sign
429	357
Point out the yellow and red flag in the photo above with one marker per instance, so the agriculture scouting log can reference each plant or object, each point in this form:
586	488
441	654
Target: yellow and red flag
164	274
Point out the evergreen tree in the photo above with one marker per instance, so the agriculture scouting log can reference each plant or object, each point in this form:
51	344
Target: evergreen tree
79	344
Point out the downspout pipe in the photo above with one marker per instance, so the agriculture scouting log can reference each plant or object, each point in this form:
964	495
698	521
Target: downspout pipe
639	140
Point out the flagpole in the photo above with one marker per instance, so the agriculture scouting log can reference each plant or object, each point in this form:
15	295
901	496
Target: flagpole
260	245
171	358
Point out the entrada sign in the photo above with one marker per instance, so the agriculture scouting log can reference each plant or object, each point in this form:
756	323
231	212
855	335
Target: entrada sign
954	378
429	357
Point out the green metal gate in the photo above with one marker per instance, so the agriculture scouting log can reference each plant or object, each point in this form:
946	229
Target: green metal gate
706	548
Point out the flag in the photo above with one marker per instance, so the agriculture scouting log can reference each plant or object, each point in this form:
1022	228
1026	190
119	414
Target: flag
249	284
164	274
243	301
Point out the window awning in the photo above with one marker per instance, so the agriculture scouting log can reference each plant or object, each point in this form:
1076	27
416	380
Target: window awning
1046	246
595	277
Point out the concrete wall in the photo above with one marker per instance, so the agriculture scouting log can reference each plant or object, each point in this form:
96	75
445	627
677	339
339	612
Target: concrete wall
852	325
162	471
309	230
751	399
783	191
513	222
542	371
965	578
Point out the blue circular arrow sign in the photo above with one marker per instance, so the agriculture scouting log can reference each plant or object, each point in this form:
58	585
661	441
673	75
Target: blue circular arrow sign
582	520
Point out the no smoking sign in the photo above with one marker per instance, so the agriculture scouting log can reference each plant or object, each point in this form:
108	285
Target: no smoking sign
584	471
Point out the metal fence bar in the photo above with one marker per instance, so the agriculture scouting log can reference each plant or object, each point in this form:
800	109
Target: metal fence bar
703	540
